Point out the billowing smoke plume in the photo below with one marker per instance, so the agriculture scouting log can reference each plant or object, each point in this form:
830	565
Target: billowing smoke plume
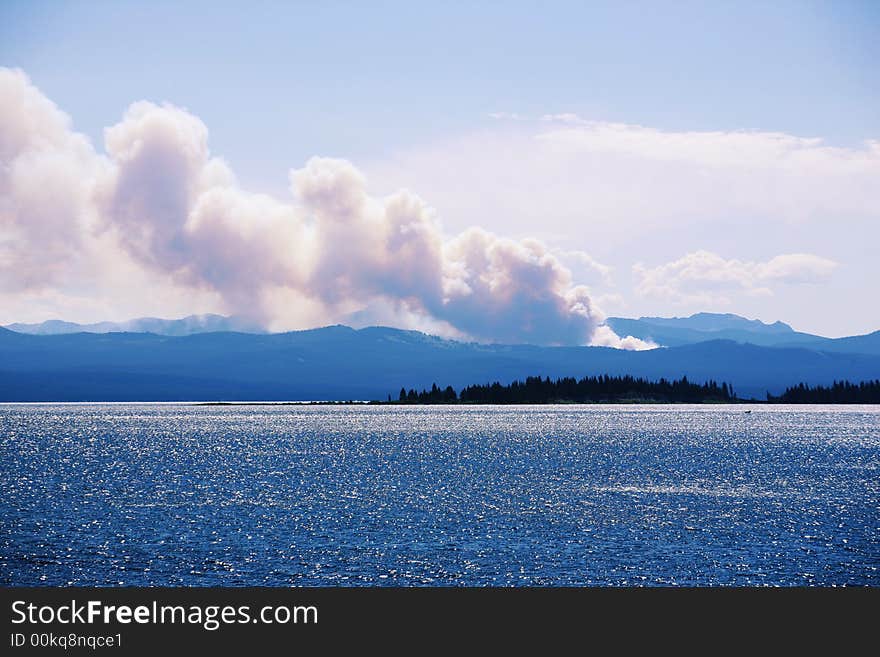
46	173
158	198
496	287
176	209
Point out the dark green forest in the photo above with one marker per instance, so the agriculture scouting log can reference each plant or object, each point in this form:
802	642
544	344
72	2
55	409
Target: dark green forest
604	388
537	390
840	392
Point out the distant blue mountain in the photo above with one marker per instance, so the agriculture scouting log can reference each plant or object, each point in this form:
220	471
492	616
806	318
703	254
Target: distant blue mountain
719	322
186	326
665	331
703	327
856	344
338	362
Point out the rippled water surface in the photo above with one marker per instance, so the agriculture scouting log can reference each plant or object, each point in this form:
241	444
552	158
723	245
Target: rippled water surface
166	494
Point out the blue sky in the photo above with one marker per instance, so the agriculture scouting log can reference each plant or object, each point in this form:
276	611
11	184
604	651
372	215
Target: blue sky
391	85
366	75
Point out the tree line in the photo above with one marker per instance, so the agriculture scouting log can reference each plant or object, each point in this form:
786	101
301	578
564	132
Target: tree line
605	388
839	392
589	389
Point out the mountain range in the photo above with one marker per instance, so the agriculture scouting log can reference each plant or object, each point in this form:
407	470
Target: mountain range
702	327
338	362
190	325
663	331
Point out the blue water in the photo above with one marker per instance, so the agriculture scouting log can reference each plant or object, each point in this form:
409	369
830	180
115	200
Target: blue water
168	494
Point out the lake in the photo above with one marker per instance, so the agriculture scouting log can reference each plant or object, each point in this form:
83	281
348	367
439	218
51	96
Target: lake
177	494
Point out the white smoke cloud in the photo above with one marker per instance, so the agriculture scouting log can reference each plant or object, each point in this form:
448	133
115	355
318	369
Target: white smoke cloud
367	247
604	336
159	155
177	210
514	291
706	277
482	285
160	210
46	171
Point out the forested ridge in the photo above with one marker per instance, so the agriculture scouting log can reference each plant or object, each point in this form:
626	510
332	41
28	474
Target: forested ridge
840	392
602	388
605	388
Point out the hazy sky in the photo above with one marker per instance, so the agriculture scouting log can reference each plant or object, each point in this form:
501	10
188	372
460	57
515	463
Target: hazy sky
627	158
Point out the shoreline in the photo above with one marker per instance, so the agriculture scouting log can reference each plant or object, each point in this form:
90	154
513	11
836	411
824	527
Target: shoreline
622	402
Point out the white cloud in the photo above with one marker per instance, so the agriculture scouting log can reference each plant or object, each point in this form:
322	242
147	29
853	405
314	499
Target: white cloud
585	264
506	116
796	268
564	117
164	215
707	278
568	177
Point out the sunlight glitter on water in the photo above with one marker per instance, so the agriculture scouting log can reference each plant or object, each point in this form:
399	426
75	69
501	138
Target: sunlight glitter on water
152	494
